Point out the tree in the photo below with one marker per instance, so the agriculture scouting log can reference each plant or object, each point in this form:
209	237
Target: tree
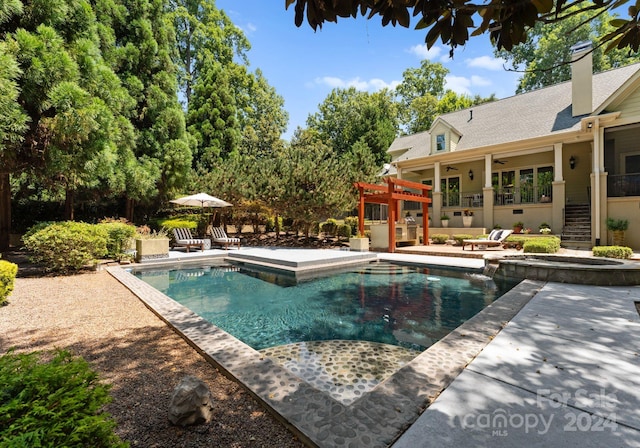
308	182
13	125
141	52
347	115
263	119
545	55
422	97
203	34
213	116
506	22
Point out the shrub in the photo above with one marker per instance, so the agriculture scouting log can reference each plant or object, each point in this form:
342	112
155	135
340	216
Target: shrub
344	231
353	222
439	238
549	245
179	223
67	245
119	236
270	223
54	403
329	227
612	252
461	236
8	273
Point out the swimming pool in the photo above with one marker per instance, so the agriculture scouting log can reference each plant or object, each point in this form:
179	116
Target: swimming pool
403	305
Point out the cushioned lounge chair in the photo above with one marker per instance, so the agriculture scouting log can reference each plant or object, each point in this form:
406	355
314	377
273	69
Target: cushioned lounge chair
220	237
497	237
184	238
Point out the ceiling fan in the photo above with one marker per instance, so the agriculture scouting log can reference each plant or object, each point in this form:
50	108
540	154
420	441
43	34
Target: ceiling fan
449	168
501	162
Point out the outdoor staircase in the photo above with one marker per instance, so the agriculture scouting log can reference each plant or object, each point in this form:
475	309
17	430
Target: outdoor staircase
576	233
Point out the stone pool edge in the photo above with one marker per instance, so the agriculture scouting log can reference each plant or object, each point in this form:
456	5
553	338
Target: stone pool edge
376	419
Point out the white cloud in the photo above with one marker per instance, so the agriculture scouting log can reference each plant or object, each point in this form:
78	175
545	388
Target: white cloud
374	84
423	53
250	28
458	84
480	81
486	62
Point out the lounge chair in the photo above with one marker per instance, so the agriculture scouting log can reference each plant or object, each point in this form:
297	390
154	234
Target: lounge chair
184	238
497	237
220	237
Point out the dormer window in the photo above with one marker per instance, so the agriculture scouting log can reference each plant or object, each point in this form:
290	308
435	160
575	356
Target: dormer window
440	142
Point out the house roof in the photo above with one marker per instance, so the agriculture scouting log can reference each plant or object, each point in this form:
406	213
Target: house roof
539	113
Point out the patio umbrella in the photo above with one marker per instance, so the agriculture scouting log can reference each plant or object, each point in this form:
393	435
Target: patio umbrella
201	200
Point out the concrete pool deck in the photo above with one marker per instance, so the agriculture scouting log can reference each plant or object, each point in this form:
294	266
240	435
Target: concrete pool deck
565	370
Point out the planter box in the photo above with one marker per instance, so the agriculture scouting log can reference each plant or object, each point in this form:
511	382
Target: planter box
151	249
467	221
359	244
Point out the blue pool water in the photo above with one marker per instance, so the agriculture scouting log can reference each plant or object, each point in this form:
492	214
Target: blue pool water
408	306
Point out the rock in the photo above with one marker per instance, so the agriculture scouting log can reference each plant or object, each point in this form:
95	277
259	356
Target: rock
191	403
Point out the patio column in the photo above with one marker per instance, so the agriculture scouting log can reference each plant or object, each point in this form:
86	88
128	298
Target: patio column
599	194
558	189
436	195
487	193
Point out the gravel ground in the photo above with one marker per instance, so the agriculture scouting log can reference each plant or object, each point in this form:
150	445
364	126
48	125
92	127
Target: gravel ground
94	316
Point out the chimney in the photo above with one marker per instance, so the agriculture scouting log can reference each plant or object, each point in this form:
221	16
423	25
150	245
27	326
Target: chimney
581	78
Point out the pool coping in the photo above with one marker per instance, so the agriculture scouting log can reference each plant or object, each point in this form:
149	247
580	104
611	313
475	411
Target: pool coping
376	419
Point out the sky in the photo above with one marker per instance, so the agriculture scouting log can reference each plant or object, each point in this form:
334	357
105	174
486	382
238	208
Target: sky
304	65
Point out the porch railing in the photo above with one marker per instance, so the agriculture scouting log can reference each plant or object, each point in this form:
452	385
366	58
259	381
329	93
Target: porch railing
619	185
522	195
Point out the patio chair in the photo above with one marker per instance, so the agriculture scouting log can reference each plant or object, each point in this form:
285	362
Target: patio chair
497	237
220	237
184	238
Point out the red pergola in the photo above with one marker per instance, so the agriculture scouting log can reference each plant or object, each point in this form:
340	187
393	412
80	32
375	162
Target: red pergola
391	194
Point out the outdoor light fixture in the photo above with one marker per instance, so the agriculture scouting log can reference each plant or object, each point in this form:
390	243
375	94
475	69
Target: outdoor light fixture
471	174
572	162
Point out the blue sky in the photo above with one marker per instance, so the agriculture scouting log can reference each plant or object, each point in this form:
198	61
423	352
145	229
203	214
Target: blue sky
304	66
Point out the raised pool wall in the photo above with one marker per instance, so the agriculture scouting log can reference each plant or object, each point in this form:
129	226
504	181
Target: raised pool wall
564	269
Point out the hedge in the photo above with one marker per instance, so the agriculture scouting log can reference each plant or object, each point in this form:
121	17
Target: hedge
461	236
612	252
67	245
8	272
439	238
119	236
53	404
540	245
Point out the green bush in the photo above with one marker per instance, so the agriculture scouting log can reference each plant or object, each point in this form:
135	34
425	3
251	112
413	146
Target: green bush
344	230
461	236
8	273
617	224
119	237
612	252
329	227
179	223
270	224
353	222
439	238
67	245
549	245
54	403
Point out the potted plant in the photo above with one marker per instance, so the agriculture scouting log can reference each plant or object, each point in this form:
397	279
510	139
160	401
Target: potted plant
544	228
151	245
444	220
467	217
359	243
618	227
517	226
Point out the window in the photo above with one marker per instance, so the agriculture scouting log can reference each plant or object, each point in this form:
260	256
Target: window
525	186
450	187
440	142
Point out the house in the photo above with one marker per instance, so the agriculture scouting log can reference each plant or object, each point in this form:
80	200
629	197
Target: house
567	155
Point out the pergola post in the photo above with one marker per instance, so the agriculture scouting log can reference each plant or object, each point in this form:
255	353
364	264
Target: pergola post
361	211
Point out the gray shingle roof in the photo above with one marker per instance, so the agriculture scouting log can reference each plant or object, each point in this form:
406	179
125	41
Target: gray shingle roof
526	116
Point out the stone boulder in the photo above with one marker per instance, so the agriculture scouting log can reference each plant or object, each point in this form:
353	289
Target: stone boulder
191	403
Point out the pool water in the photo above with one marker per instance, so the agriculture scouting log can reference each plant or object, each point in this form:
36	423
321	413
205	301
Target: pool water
407	306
